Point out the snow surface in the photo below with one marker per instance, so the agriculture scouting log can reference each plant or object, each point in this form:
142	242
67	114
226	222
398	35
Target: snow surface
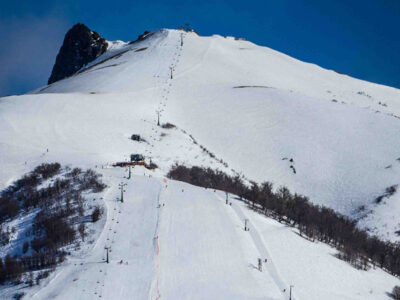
171	240
249	105
253	109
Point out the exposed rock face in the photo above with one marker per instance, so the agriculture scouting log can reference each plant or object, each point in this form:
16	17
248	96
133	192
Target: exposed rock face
81	46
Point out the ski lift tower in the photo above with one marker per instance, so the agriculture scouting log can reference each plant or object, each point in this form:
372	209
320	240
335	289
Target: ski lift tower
290	295
107	249
122	188
130	172
246	227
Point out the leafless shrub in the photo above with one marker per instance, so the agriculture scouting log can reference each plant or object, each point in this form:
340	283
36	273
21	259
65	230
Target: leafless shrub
96	214
168	126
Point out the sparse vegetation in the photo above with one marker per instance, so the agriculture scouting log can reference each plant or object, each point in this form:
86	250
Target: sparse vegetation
18	296
81	229
97	212
151	166
4	237
47	170
388	193
362	93
25	247
208	152
313	222
136	137
56	200
396	292
168	126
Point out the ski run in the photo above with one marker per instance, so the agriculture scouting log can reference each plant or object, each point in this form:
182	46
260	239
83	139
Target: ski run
171	240
239	108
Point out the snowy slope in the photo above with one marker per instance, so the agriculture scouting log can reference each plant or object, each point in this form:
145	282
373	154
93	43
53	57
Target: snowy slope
249	105
171	240
252	109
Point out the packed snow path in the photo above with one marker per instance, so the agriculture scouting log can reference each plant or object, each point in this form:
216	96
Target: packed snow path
168	241
204	251
261	247
162	86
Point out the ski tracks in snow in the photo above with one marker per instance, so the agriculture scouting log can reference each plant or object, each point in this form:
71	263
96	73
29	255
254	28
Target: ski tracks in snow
155	293
262	249
163	83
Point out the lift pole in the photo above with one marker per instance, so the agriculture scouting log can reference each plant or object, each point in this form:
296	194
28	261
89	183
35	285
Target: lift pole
107	260
290	293
171	68
121	187
129	175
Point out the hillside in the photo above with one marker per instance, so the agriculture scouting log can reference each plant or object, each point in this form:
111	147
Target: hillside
226	104
252	107
171	240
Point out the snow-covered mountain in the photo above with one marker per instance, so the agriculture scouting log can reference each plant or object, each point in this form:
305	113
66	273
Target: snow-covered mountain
252	107
237	107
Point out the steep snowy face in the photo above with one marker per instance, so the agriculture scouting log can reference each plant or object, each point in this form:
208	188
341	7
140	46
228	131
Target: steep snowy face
258	112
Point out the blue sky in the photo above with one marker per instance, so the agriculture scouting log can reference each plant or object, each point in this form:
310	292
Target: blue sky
359	38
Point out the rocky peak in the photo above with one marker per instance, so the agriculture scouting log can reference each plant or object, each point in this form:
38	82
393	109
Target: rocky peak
81	46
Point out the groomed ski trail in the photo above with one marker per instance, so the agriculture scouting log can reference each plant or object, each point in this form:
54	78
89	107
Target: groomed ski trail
129	231
262	248
155	285
203	254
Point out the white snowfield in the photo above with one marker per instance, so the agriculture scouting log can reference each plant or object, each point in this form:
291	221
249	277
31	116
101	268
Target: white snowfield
258	113
249	105
171	240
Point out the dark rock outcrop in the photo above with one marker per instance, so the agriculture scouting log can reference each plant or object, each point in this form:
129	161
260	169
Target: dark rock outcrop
80	46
